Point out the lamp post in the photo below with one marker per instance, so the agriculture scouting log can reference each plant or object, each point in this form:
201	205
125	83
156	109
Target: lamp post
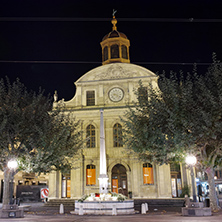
191	161
12	165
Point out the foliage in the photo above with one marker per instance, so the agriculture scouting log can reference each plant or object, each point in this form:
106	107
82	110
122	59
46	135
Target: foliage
102	197
147	129
59	136
113	194
121	198
84	197
185	190
185	116
40	138
33	133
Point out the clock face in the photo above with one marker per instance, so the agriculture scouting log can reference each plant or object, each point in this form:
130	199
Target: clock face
116	94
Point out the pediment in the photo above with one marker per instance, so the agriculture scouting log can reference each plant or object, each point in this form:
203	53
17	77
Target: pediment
116	71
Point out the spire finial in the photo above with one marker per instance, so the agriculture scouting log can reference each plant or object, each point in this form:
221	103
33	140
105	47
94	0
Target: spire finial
114	21
114	12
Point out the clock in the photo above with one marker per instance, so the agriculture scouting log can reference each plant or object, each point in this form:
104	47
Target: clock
116	94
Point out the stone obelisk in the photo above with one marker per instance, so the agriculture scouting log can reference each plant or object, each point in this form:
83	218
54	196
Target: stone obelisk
103	178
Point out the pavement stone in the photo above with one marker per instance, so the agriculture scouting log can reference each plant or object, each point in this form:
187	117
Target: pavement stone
38	213
128	218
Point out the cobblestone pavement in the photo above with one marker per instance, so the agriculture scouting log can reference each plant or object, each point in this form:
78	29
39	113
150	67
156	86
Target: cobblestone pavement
127	218
42	216
38	213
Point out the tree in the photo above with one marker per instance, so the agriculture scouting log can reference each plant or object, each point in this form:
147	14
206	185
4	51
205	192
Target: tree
147	127
185	116
40	138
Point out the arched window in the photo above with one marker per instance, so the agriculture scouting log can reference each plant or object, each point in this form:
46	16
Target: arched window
90	136
124	52
117	135
105	53
148	173
90	175
114	51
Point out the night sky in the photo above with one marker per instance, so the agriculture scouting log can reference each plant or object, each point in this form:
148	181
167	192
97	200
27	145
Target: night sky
52	43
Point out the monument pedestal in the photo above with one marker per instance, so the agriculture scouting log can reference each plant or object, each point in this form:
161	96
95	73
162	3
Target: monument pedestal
196	209
104	207
11	211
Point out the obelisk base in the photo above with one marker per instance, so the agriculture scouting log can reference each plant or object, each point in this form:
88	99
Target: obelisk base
103	183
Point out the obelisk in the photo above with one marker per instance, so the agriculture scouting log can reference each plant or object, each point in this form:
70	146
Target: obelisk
103	178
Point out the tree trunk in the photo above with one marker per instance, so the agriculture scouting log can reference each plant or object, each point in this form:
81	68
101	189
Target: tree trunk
212	192
6	188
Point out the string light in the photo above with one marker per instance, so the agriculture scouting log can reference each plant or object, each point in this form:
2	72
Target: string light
96	62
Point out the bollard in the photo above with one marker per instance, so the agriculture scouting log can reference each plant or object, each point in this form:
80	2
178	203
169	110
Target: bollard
18	201
114	211
146	206
143	209
61	209
80	209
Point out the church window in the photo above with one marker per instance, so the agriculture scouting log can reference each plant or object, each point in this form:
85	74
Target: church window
114	51
90	136
90	175
90	98
105	53
124	52
117	135
148	173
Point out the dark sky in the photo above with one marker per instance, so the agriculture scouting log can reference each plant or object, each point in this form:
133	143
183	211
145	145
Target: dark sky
62	38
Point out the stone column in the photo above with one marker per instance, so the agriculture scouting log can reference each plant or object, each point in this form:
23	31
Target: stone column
54	184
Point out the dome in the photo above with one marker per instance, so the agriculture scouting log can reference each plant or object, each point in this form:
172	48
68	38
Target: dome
115	46
115	71
114	34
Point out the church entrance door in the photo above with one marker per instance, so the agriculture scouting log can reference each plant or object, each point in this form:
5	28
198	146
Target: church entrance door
119	180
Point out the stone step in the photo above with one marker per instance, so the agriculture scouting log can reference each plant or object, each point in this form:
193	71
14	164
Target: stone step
51	209
169	204
161	202
61	199
57	202
153	203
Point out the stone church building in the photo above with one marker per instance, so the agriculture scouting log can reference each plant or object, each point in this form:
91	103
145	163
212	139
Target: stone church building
111	87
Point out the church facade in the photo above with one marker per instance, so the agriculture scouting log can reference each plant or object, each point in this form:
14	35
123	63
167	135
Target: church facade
111	87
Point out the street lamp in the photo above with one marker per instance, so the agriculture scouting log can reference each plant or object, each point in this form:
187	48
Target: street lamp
12	165
191	161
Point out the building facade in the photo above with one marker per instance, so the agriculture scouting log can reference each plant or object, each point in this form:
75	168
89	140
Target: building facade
111	87
27	180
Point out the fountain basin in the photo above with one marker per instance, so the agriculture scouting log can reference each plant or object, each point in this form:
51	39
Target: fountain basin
104	207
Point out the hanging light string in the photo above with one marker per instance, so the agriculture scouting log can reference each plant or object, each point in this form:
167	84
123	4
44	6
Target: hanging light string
96	62
65	19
